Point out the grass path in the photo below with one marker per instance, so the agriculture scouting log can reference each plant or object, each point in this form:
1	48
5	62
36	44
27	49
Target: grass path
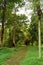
17	57
32	57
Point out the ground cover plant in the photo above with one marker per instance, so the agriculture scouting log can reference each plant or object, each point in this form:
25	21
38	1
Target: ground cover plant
32	57
6	53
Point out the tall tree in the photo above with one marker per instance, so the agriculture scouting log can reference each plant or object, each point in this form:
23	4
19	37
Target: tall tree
3	18
39	12
4	5
37	9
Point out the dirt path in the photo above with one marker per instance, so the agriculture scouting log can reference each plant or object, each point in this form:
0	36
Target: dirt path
17	57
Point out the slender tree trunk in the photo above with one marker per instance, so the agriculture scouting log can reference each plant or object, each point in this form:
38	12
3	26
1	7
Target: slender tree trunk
39	35
14	37
3	19
39	12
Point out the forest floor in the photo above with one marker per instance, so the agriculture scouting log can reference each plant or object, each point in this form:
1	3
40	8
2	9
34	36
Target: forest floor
17	57
23	55
32	57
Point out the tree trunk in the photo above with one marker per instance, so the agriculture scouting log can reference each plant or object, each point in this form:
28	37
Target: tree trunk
11	38
39	35
39	12
3	19
14	38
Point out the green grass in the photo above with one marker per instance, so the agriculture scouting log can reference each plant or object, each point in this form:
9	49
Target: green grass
32	57
6	53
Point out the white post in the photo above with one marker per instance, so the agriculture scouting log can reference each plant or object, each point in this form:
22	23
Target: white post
39	39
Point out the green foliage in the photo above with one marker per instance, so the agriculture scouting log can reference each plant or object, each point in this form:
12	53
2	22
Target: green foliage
0	15
42	28
16	25
33	29
11	1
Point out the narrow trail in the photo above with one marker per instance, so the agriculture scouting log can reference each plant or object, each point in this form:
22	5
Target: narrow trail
17	57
